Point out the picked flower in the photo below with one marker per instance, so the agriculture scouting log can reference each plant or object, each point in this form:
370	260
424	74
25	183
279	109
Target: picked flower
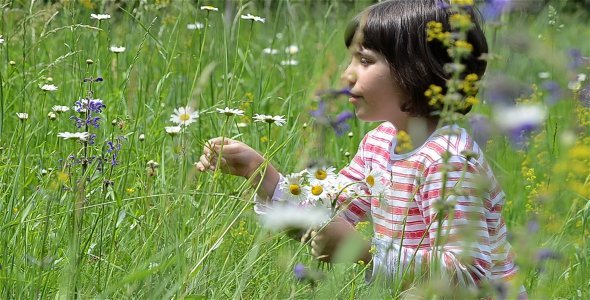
230	111
209	8
374	183
253	18
100	16
293	188
318	192
49	87
322	173
60	108
117	49
173	130
82	136
22	116
277	120
184	116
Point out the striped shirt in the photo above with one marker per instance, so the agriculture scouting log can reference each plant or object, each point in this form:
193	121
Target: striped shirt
442	190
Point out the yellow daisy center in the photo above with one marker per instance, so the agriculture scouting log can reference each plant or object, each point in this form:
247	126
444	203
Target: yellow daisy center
184	117
321	174
370	180
317	190
295	189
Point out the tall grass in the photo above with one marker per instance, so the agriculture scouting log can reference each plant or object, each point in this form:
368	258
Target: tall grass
73	227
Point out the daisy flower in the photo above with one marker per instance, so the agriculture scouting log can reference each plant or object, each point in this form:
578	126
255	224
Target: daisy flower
196	25
277	120
117	49
22	116
52	116
322	173
60	108
82	136
373	180
289	62
184	116
293	188
292	49
209	8
1	40
173	130
100	16
253	18
230	111
49	87
270	51
318	191
280	217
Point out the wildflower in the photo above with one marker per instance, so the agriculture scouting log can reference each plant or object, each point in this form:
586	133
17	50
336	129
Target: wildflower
322	173
277	120
253	18
242	125
1	40
230	111
141	137
44	172
270	51
12	63
289	62
519	120
184	116
373	182
288	216
52	116
49	87
89	61
293	188
117	49
196	25
493	9
94	105
554	90
299	272
503	90
151	167
60	108
82	136
100	17
318	191
576	59
173	130
292	49
22	116
209	8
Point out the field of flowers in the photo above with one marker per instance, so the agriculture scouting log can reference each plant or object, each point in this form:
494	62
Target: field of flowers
106	106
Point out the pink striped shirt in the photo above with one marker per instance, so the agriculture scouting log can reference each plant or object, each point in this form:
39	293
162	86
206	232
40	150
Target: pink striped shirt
472	237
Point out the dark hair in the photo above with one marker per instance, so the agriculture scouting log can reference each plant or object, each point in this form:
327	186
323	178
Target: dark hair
397	29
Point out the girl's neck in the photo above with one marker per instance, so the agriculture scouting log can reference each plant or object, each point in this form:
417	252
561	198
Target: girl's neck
419	129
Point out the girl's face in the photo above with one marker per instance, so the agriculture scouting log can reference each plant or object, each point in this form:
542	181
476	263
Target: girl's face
375	94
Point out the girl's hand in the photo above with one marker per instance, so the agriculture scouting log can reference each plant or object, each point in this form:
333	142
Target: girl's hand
237	158
326	242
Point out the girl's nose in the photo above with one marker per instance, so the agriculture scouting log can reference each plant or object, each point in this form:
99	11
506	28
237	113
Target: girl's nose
349	77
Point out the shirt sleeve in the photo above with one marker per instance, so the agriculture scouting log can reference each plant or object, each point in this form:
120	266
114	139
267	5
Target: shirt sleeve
356	209
454	209
261	206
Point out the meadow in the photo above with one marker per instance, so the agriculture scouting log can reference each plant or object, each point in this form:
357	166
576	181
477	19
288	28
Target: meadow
101	199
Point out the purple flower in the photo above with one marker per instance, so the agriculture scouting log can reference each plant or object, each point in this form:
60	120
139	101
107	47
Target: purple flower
340	125
94	105
554	90
441	4
493	9
502	90
333	93
300	272
576	59
533	226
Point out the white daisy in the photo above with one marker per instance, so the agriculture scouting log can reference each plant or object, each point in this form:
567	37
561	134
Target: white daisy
292	49
289	62
318	191
22	116
60	108
49	87
277	120
1	40
173	130
270	51
293	188
230	111
373	180
184	116
322	173
117	49
52	116
520	116
82	136
100	16
196	25
253	18
280	217
209	8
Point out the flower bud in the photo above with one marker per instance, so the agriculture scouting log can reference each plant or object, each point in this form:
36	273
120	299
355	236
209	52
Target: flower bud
52	116
89	61
141	137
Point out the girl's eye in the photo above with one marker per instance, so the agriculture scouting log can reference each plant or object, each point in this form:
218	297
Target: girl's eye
364	61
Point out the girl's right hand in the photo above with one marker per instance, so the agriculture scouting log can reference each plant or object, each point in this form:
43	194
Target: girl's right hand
237	158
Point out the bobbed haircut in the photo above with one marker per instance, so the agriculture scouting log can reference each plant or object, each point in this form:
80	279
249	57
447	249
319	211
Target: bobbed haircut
397	30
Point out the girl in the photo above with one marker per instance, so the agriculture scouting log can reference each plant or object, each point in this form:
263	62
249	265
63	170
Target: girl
442	208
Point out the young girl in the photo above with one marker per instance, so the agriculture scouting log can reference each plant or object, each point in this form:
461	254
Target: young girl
442	206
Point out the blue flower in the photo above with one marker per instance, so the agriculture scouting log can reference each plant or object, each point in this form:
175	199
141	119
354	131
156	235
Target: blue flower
493	9
555	92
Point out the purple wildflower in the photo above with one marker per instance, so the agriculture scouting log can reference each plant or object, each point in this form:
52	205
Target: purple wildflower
333	93
94	105
340	125
441	4
554	90
493	9
576	59
533	226
300	272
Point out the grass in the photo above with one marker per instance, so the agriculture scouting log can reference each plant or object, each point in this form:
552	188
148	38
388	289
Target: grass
173	232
